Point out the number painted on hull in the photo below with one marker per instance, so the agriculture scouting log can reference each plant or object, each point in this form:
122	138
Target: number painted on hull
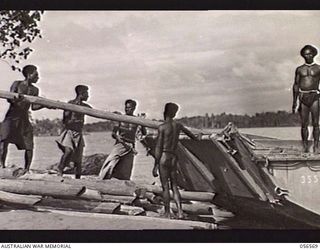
309	179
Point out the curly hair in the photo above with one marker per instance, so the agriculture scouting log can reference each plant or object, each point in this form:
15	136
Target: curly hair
311	48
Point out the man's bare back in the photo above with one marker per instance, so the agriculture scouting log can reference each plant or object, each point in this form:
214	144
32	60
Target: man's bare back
166	158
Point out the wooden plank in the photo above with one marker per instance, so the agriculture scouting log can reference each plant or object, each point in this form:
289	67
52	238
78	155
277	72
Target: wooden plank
194	208
43	188
185	195
126	200
79	205
243	174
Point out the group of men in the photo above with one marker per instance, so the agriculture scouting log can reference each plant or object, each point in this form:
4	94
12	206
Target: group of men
17	129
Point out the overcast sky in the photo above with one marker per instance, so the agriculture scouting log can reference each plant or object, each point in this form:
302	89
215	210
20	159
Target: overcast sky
206	61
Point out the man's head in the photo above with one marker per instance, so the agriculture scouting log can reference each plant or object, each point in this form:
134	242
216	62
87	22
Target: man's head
130	106
308	52
82	92
170	110
30	72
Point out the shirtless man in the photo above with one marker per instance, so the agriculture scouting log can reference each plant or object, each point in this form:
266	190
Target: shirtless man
16	127
71	140
306	87
119	162
166	158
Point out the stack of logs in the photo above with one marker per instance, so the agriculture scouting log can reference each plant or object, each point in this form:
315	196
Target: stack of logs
48	191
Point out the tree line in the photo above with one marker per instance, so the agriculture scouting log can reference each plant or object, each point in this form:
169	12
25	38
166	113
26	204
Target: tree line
264	119
47	127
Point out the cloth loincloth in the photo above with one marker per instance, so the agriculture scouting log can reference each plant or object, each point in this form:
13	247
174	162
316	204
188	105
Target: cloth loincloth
308	98
19	132
119	163
74	140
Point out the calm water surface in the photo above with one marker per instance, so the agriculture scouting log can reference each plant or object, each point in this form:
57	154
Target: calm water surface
47	153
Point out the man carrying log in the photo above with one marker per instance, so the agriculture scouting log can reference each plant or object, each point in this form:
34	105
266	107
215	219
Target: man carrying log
166	156
306	87
16	127
71	141
119	163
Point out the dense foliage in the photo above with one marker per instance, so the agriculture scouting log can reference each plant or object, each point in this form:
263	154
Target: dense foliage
18	29
265	119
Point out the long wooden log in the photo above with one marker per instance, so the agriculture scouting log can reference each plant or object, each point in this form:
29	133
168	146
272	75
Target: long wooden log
44	188
196	208
185	195
79	205
111	187
91	112
19	199
94	195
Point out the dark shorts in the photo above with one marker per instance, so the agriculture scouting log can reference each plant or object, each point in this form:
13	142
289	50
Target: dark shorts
18	132
308	99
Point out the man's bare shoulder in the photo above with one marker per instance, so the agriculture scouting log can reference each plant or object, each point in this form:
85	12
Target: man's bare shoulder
300	67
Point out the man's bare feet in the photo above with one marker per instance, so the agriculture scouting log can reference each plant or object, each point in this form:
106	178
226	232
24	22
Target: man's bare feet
180	215
316	150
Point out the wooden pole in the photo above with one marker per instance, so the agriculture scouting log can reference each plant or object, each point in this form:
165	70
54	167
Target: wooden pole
91	112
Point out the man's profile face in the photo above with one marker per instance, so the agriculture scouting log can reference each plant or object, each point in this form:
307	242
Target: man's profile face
308	55
85	95
129	108
34	76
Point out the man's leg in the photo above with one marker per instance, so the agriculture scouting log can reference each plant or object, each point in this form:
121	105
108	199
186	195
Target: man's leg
28	155
304	114
176	196
175	190
65	159
77	157
3	154
315	124
164	178
77	170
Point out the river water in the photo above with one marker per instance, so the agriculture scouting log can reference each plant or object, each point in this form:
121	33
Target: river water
47	153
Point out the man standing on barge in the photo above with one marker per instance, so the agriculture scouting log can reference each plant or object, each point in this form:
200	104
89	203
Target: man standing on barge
166	157
306	87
